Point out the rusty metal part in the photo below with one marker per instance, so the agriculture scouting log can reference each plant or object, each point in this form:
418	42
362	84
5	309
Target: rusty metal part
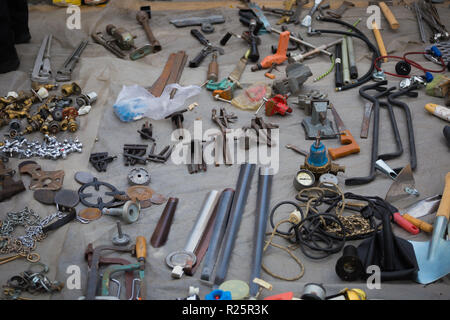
162	229
337	13
140	193
94	268
70	112
90	214
9	187
171	73
129	275
142	17
366	120
45	196
50	180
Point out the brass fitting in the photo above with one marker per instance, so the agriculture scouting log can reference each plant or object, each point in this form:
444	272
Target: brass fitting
54	127
70	89
72	125
36	86
329	167
64	124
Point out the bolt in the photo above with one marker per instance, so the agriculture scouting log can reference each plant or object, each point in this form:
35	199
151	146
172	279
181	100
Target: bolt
120	239
217	97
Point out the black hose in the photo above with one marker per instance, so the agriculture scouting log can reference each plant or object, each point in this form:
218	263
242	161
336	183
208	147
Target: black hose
358	34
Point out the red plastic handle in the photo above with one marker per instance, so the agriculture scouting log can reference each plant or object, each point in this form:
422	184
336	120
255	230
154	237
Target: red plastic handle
405	224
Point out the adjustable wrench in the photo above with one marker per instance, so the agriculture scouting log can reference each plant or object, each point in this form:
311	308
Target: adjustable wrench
42	71
65	72
306	22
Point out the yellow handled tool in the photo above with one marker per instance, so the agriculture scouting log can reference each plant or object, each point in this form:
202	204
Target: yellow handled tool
422	225
141	255
389	16
379	39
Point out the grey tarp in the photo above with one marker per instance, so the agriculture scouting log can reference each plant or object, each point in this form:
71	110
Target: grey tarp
100	71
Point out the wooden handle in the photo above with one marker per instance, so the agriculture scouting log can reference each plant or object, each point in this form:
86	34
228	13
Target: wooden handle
444	206
350	146
141	248
379	39
422	225
389	16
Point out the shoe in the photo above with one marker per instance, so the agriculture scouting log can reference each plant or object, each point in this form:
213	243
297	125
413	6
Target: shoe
9	60
23	37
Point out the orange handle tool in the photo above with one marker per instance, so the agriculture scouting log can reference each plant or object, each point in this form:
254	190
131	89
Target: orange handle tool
422	225
350	146
279	57
141	248
377	34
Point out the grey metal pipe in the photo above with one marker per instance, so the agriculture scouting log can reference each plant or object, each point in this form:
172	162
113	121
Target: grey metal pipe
262	209
220	224
202	221
237	209
345	67
351	58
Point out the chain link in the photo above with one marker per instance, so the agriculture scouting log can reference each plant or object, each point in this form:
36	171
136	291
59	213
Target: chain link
33	225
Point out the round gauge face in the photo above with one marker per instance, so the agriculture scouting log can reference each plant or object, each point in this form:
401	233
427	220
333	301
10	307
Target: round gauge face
305	178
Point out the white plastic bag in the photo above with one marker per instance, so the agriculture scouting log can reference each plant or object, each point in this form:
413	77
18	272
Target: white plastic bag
135	102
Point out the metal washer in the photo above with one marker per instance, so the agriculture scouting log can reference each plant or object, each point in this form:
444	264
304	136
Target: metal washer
139	176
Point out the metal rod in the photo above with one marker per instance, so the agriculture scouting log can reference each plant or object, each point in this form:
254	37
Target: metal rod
202	221
237	209
345	66
304	43
222	218
263	203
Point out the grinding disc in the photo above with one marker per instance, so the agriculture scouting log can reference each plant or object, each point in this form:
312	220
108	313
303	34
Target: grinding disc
67	198
45	196
90	214
138	176
238	288
83	177
140	193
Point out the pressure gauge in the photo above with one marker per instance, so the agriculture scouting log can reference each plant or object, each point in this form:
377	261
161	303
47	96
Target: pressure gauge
304	179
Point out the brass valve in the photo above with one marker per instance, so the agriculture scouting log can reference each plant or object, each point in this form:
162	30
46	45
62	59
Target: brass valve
72	125
64	124
70	89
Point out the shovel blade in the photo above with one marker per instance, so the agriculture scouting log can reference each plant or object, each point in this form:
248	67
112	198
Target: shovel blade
433	257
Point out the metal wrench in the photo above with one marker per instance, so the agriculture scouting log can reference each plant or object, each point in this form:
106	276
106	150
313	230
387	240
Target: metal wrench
42	71
65	72
306	22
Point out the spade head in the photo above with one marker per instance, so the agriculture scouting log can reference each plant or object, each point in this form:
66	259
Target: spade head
433	257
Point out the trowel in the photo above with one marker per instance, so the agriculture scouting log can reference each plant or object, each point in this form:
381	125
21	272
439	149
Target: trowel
433	257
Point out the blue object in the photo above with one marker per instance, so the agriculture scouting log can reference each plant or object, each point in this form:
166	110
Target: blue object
436	52
318	155
218	295
428	77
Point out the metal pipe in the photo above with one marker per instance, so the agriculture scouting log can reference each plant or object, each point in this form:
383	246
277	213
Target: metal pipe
351	58
202	221
345	67
338	68
304	43
220	224
262	209
237	209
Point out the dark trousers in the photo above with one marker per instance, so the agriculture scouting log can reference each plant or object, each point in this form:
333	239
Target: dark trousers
13	30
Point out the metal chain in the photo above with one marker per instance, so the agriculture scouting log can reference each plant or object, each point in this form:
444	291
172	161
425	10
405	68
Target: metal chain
33	225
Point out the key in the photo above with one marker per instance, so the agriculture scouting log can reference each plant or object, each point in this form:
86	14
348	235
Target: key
31	257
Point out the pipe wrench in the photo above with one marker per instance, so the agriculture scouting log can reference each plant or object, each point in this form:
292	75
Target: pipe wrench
65	73
306	22
42	71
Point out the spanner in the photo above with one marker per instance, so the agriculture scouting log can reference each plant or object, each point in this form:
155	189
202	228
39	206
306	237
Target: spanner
306	22
42	71
65	72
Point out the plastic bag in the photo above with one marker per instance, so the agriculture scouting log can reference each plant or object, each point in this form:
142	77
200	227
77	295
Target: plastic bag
135	102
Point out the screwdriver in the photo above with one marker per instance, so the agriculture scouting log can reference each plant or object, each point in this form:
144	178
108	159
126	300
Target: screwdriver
141	255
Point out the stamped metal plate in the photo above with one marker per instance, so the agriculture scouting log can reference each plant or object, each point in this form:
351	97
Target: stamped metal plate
45	196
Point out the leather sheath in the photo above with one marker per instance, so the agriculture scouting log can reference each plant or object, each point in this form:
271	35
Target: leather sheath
162	229
103	261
